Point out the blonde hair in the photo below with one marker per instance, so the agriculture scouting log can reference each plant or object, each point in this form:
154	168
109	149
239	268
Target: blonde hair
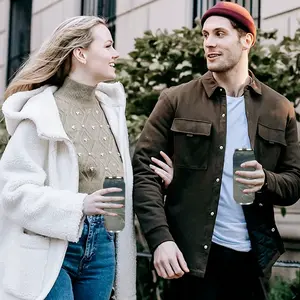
52	62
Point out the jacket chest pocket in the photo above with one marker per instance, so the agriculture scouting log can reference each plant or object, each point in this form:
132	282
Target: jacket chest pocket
192	140
269	143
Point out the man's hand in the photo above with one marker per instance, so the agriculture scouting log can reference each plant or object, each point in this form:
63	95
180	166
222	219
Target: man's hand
169	262
253	179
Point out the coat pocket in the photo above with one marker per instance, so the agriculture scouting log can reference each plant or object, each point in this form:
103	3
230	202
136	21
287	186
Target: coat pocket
270	143
25	266
192	140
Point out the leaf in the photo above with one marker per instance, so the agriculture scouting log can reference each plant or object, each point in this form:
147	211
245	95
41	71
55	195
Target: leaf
185	63
283	211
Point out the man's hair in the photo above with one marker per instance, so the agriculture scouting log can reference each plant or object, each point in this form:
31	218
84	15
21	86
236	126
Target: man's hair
238	28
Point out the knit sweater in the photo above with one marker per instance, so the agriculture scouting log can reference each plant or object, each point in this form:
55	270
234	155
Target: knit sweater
86	125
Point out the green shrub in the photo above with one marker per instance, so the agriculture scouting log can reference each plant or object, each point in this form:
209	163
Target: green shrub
282	289
164	59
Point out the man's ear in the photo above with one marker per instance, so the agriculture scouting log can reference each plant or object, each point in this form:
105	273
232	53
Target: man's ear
247	41
80	55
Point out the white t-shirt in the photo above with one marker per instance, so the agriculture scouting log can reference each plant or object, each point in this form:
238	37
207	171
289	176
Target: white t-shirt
230	228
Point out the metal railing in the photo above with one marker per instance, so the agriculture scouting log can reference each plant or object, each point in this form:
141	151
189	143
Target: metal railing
156	287
287	264
278	263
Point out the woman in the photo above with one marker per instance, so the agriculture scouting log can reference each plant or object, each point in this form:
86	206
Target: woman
68	132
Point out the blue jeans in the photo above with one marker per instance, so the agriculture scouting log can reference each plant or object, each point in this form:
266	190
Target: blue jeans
88	269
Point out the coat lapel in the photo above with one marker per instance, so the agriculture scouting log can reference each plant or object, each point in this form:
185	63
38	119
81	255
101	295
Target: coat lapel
112	100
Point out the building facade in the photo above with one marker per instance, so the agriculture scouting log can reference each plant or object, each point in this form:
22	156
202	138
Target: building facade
25	24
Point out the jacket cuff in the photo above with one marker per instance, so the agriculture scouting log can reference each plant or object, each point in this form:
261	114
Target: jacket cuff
157	236
270	180
75	232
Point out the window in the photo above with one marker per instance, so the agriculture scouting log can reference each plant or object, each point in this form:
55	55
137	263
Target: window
102	8
253	6
19	35
107	9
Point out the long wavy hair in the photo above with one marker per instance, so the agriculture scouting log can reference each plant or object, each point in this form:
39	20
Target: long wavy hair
52	62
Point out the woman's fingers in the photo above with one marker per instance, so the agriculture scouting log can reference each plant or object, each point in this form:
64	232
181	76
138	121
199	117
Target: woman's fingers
165	176
108	205
166	158
103	192
163	169
160	163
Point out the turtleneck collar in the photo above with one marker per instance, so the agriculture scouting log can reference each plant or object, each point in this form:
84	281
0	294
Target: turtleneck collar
76	91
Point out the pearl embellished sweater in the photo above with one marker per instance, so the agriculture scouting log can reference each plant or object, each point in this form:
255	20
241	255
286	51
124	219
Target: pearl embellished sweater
86	125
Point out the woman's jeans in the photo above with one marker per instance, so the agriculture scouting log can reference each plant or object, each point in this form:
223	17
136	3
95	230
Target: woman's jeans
88	269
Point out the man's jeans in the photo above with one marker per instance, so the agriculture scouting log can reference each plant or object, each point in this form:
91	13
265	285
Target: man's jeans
88	269
229	275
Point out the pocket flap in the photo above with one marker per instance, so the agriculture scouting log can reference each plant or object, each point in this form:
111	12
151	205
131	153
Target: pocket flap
33	241
272	135
193	127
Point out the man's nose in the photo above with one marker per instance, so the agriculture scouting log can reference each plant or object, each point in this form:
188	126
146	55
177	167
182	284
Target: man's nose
210	42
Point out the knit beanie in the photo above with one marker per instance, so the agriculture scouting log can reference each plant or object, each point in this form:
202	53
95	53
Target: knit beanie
234	12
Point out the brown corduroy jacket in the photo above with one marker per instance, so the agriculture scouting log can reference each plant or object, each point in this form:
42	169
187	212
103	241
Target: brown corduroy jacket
189	124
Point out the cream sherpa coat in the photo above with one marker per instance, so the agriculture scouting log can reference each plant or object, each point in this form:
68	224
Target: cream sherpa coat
40	207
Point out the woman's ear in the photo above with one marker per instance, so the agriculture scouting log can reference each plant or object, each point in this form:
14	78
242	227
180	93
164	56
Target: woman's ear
80	55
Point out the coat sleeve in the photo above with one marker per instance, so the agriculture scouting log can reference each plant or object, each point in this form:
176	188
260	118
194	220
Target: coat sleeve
148	191
26	200
283	186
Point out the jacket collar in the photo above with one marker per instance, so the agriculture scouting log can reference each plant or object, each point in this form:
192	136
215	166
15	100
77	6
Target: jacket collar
210	84
40	107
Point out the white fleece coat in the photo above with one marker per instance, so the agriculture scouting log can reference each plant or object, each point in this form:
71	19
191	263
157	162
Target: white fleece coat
40	207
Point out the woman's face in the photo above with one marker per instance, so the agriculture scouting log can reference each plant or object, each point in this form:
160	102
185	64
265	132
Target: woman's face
100	56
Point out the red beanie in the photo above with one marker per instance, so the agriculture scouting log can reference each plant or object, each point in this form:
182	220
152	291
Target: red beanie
234	12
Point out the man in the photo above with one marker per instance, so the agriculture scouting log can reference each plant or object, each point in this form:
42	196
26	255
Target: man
208	244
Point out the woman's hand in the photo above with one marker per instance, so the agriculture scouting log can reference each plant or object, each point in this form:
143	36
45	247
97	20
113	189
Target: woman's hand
96	203
166	169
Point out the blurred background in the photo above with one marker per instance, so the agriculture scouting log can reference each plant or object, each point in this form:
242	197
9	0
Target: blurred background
160	45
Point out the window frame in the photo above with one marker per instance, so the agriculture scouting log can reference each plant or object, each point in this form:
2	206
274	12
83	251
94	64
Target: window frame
19	36
200	6
108	11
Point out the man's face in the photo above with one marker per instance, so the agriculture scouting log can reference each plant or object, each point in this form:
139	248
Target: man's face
222	44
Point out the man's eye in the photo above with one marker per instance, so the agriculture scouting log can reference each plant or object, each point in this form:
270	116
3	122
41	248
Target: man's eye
220	34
